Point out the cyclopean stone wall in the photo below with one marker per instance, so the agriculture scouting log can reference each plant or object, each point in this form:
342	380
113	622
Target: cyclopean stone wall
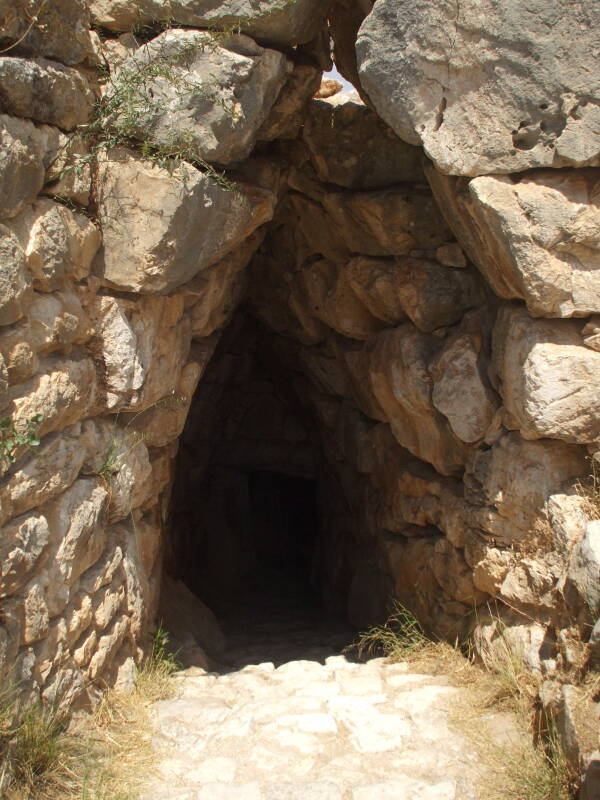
424	269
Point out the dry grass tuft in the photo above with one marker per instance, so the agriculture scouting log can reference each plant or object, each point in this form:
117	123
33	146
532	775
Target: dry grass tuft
106	755
589	489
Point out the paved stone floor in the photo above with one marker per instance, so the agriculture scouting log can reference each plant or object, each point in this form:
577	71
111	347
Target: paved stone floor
315	728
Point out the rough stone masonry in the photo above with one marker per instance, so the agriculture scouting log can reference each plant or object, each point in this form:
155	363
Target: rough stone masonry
422	258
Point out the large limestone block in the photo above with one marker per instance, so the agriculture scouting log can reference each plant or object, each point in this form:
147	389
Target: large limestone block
58	243
61	30
280	22
53	321
289	110
284	307
400	379
534	238
387	222
120	456
48	471
434	296
331	298
63	392
22	169
486	87
44	91
461	390
515	478
210	96
375	282
15	280
77	536
583	574
392	221
142	344
351	146
22	542
548	379
162	229
214	294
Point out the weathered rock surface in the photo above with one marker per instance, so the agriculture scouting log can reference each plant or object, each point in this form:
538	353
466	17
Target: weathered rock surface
461	390
14	277
288	112
209	98
548	379
22	170
533	238
142	344
195	222
61	30
282	23
58	243
44	91
485	90
350	146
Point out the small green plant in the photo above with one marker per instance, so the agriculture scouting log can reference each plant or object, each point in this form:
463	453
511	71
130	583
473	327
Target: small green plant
11	440
123	117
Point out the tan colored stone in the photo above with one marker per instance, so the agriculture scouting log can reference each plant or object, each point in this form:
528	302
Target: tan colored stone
143	343
58	243
436	80
284	23
69	177
48	471
514	480
120	457
107	646
386	222
330	298
216	292
590	334
288	112
22	153
62	30
375	282
548	379
160	229
78	537
461	390
211	97
164	421
45	91
401	383
352	147
22	542
533	238
15	279
63	393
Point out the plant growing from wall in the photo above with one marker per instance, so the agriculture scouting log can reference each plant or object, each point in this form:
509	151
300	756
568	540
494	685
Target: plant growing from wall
12	440
121	117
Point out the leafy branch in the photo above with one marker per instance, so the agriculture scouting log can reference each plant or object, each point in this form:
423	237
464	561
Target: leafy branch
11	439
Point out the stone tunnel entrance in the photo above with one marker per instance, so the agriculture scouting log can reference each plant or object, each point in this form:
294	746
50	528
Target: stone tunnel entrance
255	512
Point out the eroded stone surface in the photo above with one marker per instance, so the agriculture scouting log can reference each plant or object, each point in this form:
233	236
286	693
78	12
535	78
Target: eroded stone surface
310	730
282	22
195	222
485	90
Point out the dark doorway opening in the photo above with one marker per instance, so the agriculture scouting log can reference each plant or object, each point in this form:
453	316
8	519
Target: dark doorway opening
258	527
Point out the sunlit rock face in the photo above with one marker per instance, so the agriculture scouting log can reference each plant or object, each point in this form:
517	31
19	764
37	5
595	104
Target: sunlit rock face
395	301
